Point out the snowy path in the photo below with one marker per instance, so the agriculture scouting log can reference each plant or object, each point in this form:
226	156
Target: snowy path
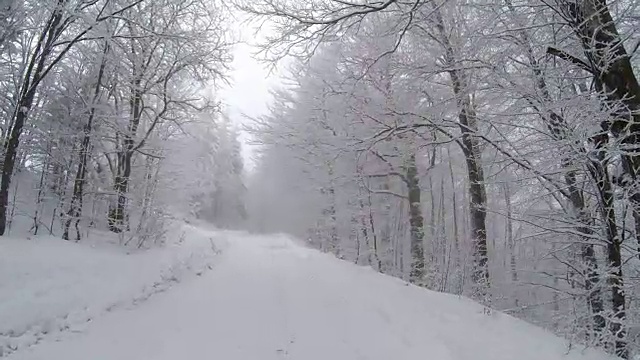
268	298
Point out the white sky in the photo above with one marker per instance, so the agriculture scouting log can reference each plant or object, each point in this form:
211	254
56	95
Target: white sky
248	92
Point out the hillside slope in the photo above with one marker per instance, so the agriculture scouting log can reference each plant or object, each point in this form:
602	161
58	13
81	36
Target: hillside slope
50	287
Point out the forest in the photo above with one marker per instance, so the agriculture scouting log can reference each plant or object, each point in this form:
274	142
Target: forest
106	105
488	149
481	148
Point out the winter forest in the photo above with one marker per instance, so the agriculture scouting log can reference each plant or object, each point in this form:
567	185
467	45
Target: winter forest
488	149
106	106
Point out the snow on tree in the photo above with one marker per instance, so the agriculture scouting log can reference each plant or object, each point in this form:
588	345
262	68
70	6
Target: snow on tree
484	150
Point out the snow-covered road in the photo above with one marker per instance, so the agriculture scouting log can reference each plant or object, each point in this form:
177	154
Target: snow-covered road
269	298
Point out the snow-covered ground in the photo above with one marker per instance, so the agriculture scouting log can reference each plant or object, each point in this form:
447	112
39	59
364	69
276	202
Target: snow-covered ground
269	298
49	287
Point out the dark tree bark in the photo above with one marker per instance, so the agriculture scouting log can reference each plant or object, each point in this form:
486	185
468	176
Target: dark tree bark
141	56
606	199
510	240
416	221
33	76
610	66
467	120
41	61
75	208
477	201
559	129
330	212
477	191
117	213
587	253
376	254
456	227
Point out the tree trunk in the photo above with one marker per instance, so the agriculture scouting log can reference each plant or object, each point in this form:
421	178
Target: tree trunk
330	213
477	211
456	228
75	208
606	197
471	150
39	206
611	68
364	230
477	192
511	245
117	214
416	221
376	254
560	131
32	78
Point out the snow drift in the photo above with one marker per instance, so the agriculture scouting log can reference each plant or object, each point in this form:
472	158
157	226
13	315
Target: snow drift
269	298
49	286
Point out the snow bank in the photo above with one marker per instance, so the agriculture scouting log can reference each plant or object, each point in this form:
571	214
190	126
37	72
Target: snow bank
269	298
48	285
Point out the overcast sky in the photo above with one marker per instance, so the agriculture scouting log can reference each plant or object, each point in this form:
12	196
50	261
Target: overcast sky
248	92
